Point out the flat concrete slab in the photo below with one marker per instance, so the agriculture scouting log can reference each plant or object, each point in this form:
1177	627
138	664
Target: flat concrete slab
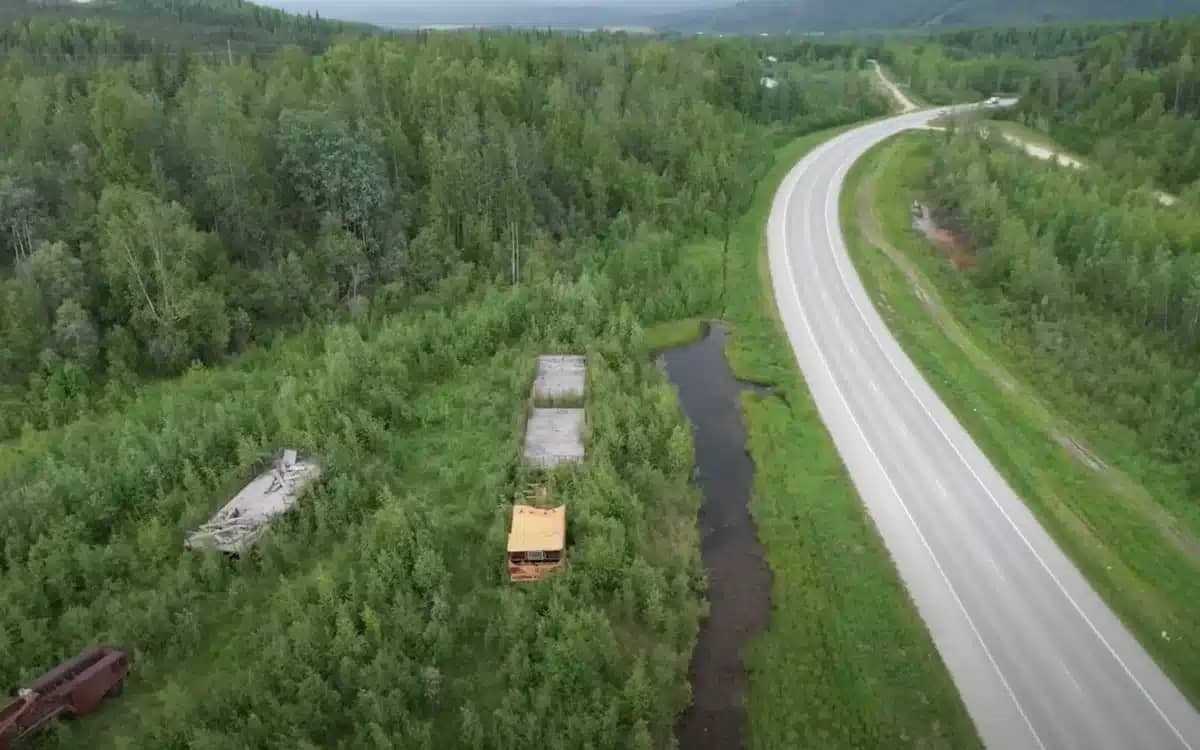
560	378
244	519
554	436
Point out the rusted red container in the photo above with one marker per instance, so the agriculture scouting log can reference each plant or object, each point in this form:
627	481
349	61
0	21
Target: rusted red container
73	688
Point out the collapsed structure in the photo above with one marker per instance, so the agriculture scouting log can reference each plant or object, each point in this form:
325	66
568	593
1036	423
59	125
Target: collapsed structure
537	542
245	518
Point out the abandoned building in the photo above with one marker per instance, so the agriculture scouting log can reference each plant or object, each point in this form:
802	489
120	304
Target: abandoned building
537	542
245	518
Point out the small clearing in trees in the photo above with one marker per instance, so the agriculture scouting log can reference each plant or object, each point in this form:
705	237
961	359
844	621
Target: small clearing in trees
958	250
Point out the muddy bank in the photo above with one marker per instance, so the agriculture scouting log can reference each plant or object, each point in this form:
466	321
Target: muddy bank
955	246
739	583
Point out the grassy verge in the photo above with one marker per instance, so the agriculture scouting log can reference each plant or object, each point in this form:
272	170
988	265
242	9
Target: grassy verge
846	661
673	333
1119	513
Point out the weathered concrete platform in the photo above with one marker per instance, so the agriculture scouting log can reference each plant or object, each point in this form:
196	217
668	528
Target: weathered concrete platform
554	436
245	518
560	378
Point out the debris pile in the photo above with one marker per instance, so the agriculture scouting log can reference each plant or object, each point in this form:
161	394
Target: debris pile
242	521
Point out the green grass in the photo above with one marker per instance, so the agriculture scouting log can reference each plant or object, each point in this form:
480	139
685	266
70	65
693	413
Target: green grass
1122	516
846	661
673	333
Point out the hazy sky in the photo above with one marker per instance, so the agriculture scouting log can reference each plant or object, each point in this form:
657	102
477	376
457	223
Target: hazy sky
333	6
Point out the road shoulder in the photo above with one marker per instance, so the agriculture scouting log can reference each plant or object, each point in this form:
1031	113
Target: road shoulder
1090	485
847	661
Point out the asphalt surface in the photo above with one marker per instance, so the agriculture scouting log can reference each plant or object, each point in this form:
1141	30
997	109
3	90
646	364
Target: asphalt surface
1040	660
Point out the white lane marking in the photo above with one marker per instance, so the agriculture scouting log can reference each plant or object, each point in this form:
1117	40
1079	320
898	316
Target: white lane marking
839	178
895	491
996	567
1070	676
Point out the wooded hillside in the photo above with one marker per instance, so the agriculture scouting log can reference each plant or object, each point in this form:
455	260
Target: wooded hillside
198	25
170	210
359	254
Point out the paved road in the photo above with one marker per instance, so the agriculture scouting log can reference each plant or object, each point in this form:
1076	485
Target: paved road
1040	660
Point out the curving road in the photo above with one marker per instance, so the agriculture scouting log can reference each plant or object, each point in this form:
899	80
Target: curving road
1040	660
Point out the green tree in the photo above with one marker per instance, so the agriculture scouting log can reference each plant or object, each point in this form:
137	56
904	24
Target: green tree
75	335
153	259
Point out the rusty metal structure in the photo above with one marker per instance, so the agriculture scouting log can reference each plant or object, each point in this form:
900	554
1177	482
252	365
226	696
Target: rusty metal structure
73	688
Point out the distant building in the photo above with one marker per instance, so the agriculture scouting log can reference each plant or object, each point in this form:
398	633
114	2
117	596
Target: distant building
772	59
767	82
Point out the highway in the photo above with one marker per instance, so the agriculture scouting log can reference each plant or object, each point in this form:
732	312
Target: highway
1039	659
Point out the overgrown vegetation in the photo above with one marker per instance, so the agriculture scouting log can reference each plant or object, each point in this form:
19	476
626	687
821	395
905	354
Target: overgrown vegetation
379	614
1079	400
1106	282
358	254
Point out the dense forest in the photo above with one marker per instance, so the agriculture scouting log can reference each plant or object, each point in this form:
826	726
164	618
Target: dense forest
1127	95
358	253
1105	278
200	26
1106	281
168	211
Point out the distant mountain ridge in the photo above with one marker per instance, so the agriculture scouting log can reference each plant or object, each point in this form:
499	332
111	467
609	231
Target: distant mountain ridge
236	25
801	16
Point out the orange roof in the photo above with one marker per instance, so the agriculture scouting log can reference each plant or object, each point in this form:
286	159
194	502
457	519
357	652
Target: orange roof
538	529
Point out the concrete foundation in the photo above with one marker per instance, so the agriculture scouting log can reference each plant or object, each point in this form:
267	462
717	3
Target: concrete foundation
560	378
554	436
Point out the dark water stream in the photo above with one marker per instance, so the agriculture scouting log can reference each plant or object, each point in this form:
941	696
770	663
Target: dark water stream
739	582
